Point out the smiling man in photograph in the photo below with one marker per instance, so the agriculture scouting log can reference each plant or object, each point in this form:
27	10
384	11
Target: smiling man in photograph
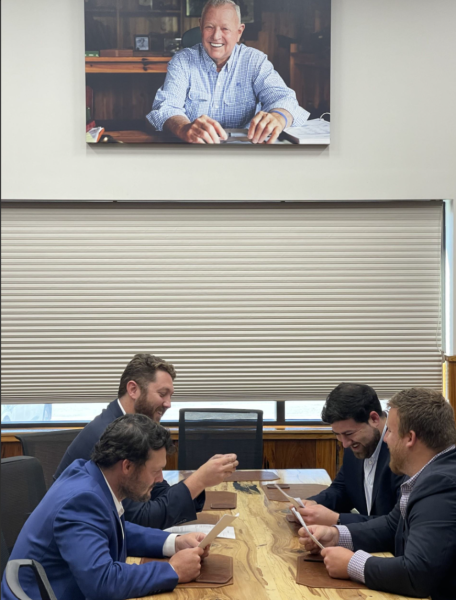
222	84
146	388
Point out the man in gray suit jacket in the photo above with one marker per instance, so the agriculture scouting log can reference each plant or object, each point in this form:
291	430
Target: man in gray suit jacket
420	530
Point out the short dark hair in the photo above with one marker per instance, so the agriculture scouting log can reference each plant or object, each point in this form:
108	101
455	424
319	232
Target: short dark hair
351	401
131	437
143	369
428	414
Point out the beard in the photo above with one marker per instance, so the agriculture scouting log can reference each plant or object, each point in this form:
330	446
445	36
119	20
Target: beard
143	407
366	450
397	461
133	490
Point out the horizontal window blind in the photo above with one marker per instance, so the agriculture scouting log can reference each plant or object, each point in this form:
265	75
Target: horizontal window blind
248	301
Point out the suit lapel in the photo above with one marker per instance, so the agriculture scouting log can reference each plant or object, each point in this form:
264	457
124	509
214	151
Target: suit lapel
360	485
383	460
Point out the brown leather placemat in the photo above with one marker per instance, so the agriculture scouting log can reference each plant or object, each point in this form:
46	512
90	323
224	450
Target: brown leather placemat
315	575
216	571
296	490
313	558
220	501
259	475
205	518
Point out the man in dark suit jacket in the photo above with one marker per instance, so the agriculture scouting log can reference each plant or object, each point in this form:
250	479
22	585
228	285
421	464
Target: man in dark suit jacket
146	387
365	481
78	531
420	530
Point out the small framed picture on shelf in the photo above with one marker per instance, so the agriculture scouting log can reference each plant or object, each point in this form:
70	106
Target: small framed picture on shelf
142	43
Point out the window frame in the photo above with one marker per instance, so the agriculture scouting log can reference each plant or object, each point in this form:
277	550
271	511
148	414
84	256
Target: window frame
279	421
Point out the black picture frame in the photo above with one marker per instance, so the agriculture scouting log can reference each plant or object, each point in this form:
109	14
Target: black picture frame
142	43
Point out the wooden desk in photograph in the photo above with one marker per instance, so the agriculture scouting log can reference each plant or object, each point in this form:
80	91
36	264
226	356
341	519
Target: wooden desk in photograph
266	548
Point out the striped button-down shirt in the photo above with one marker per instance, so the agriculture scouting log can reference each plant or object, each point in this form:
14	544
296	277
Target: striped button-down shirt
245	85
357	562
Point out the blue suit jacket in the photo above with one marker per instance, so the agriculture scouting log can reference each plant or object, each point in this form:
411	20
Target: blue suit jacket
347	489
423	543
76	534
168	505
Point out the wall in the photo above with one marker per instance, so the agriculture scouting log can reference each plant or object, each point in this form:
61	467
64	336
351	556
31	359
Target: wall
393	93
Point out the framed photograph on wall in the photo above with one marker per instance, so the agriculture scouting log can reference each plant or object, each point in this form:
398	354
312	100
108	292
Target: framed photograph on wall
263	79
142	43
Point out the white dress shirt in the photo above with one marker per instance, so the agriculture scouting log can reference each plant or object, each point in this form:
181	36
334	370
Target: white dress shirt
169	547
370	466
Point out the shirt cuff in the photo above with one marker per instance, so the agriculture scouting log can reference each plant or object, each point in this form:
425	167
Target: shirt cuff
345	538
357	564
169	547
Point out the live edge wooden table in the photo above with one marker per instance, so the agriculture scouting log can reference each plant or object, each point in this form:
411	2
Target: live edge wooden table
265	550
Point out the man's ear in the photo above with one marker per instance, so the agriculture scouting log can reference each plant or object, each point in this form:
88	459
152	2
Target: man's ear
374	418
133	389
127	466
411	439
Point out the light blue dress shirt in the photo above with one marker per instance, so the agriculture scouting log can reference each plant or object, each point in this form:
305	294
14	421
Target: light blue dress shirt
246	84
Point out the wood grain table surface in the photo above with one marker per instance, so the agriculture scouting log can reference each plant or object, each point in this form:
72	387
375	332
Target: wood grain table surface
266	549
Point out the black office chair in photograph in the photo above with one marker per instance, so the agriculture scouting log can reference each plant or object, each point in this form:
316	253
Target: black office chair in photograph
21	491
191	37
12	579
204	432
48	447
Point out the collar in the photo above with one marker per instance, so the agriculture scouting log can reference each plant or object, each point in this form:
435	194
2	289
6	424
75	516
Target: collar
118	504
410	483
374	456
210	64
121	407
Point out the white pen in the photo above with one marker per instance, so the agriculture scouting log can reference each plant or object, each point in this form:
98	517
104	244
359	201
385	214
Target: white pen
301	520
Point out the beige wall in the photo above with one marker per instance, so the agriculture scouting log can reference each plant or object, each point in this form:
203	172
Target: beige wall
393	125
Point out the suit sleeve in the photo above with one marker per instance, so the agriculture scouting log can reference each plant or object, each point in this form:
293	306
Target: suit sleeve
335	497
376	535
84	534
168	506
429	550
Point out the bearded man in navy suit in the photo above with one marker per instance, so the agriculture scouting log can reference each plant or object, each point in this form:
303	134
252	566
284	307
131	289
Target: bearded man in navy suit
365	482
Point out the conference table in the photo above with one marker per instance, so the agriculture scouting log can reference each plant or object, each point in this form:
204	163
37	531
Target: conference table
266	548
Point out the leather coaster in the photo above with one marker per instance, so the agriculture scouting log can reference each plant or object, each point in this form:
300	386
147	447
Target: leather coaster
296	490
259	475
216	571
314	574
313	558
220	501
205	518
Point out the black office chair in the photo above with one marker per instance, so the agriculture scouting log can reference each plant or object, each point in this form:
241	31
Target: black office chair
5	554
12	579
204	432
191	37
48	447
22	489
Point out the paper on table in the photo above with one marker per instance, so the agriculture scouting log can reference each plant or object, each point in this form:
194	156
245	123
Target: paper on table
220	526
301	520
297	502
227	533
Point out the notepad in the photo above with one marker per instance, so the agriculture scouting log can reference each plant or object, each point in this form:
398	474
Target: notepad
315	131
227	533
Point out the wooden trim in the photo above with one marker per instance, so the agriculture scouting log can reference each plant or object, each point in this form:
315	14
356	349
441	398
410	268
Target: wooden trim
451	381
127	64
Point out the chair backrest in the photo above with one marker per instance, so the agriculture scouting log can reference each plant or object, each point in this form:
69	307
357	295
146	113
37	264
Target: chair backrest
22	489
12	579
205	432
48	447
191	37
5	554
